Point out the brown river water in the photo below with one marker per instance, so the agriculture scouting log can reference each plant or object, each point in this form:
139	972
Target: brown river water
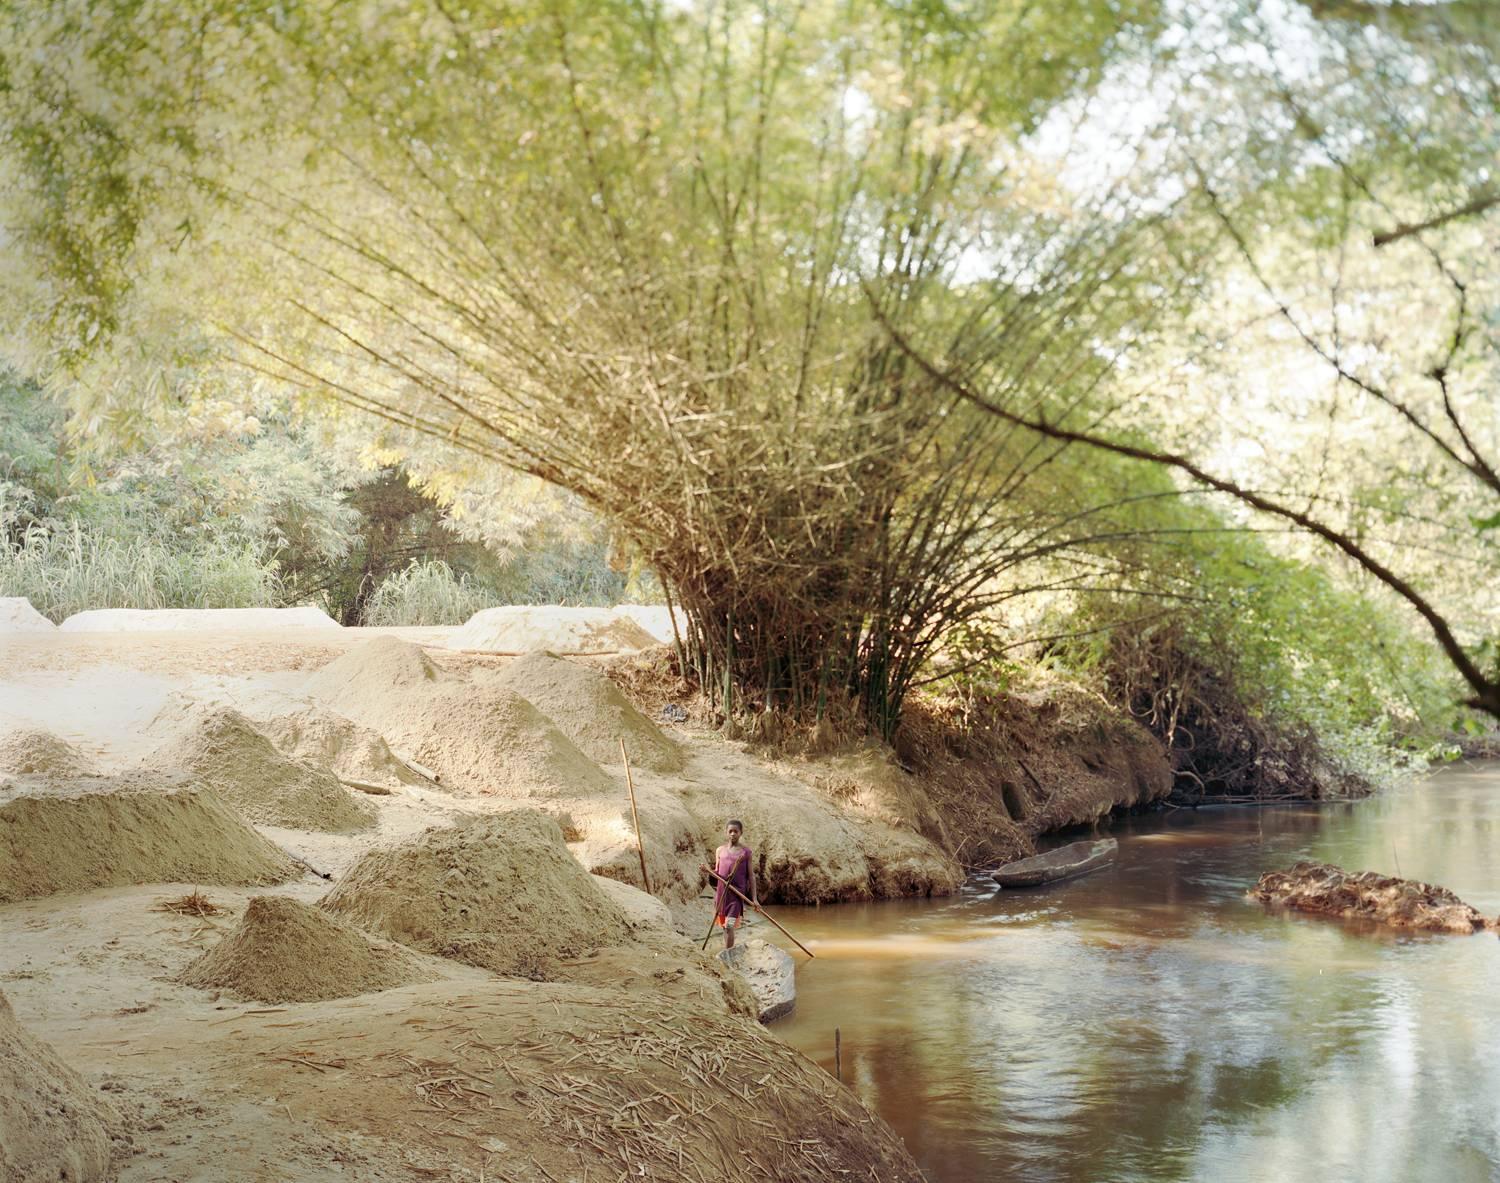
1148	1022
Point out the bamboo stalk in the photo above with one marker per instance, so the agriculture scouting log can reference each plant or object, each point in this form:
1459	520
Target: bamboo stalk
762	911
640	846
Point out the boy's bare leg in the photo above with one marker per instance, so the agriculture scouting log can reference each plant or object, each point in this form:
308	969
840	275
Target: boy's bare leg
729	935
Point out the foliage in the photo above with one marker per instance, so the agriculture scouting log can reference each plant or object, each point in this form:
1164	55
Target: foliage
425	593
78	567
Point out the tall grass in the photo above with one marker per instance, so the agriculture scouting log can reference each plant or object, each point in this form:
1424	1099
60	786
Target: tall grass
427	593
73	568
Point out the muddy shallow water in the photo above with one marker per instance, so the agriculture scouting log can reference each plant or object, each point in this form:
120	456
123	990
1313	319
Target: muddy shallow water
1149	1022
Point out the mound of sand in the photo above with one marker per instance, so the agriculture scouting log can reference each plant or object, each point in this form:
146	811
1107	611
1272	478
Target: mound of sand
353	751
590	710
221	748
52	1125
35	751
562	630
18	616
489	740
479	738
137	620
501	893
374	682
287	951
656	619
87	833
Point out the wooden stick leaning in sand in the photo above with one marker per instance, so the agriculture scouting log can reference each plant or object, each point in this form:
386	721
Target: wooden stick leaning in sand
640	847
761	910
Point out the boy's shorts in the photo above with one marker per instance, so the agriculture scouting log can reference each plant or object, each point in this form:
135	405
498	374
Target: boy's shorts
729	921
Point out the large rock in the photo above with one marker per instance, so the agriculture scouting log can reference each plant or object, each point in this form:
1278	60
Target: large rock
139	620
1367	895
53	1128
521	629
771	973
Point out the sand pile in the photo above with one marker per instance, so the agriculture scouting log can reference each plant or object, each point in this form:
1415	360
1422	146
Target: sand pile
78	835
1368	895
483	739
287	951
18	616
137	620
656	619
590	710
221	748
562	630
376	681
53	1127
501	893
35	751
351	750
491	741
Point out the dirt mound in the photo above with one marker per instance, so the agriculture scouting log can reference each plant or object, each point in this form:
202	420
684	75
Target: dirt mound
489	740
52	1125
18	616
1366	895
353	751
287	951
561	630
138	620
590	710
34	751
221	747
88	833
372	683
656	619
501	893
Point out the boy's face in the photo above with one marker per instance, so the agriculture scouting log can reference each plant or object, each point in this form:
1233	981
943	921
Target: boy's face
733	834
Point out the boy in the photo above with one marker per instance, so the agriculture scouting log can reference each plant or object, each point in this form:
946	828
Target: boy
732	863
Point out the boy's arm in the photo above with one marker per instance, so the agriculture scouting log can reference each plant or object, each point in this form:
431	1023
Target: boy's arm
754	891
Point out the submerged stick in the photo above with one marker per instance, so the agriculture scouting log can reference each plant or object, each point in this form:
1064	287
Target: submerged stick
838	1055
762	911
640	847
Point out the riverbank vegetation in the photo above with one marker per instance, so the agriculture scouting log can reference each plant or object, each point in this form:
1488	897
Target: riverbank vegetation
913	352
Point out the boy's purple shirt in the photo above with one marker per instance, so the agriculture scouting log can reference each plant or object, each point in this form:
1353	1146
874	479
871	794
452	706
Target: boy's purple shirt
733	864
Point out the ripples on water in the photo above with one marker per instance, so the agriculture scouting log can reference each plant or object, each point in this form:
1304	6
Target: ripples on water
1149	1022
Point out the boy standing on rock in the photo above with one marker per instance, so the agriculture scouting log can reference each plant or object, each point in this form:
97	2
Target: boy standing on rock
732	866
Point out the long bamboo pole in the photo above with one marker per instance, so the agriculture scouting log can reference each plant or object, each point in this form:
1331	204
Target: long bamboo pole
762	911
640	846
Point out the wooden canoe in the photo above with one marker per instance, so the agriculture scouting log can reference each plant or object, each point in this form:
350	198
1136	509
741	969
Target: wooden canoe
1065	862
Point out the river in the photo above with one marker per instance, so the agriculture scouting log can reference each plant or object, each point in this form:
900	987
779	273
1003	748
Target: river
1149	1022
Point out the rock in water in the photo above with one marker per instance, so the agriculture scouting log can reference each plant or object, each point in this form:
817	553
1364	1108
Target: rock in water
771	973
1367	895
52	1125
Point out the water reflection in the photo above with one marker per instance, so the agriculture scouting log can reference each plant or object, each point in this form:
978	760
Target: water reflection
1150	1023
